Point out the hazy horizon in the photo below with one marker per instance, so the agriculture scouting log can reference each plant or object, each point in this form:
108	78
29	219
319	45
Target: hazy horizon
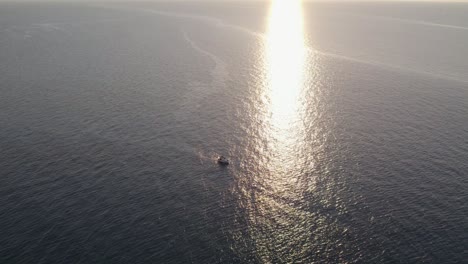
136	1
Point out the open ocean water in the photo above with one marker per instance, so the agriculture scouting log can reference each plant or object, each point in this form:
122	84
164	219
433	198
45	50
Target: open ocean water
346	125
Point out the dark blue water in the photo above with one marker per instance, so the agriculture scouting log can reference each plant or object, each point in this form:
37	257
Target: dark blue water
346	126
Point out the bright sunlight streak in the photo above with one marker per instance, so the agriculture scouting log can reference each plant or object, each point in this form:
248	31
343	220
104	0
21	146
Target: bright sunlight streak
286	53
284	66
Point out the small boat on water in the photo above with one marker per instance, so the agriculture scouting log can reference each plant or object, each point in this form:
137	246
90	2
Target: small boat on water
223	160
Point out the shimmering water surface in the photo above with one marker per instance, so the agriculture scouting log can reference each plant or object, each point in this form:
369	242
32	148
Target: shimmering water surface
346	126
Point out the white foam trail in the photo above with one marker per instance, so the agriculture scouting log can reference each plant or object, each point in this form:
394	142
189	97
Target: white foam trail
199	91
219	73
423	23
387	66
220	23
217	22
437	24
408	21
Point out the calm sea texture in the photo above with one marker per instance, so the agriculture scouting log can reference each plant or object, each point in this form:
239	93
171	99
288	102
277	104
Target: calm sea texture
346	126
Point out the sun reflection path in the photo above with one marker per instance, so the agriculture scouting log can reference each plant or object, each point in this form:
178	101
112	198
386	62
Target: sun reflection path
277	223
285	60
284	188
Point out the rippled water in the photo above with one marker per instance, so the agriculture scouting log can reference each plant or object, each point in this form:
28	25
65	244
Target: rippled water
346	126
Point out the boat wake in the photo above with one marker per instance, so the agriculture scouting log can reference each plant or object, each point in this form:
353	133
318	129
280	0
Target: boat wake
409	21
219	72
220	66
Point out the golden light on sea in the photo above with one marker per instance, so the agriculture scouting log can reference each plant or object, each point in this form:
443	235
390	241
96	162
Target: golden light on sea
276	225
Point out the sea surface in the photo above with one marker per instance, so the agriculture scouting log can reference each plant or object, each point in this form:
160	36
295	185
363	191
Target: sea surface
346	125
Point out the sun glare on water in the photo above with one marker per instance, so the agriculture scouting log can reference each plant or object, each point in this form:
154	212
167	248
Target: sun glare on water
277	183
285	59
276	226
